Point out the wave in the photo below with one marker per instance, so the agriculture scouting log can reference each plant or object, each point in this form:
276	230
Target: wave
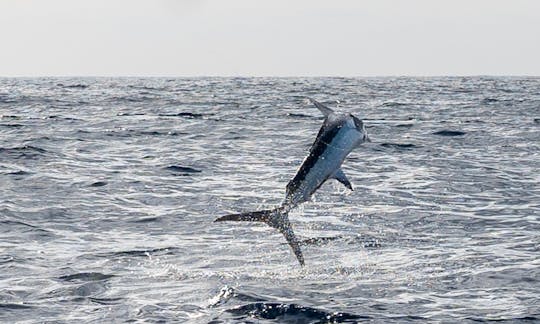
25	230
257	307
292	313
295	115
366	242
394	104
187	115
134	133
105	301
12	125
73	86
13	306
404	125
139	253
146	220
23	152
139	87
19	173
400	146
86	276
447	132
489	100
98	184
10	117
181	170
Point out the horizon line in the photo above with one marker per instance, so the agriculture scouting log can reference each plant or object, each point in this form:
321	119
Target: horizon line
276	76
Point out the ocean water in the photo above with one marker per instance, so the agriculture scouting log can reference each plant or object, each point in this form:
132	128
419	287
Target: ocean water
109	188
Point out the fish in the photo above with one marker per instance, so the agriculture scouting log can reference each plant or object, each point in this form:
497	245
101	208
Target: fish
339	134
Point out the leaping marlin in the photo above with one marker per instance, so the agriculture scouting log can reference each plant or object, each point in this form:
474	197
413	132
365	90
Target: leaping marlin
338	136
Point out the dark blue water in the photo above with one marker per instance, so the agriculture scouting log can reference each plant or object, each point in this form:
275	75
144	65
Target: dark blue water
109	186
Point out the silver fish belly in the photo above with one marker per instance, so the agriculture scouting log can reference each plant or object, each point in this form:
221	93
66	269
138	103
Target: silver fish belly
338	136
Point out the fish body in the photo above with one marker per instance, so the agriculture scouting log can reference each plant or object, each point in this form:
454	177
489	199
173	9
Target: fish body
338	136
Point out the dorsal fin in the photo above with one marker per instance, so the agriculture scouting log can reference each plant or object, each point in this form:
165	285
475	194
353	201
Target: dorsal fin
324	109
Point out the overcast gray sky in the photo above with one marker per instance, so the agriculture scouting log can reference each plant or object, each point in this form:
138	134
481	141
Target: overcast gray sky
269	37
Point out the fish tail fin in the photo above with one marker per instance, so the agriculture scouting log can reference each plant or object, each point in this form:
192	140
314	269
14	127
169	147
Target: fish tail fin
277	218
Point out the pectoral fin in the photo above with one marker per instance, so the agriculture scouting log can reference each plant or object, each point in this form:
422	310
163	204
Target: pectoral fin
340	176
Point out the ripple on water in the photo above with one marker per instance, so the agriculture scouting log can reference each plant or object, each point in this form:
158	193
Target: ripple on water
447	132
292	313
400	146
86	276
182	170
109	188
22	152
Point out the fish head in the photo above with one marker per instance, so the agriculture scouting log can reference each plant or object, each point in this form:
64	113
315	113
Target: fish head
359	124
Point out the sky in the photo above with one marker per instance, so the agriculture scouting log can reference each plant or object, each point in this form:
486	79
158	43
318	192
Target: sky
269	37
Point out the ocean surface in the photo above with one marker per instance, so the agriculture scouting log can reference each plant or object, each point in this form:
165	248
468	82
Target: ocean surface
109	188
